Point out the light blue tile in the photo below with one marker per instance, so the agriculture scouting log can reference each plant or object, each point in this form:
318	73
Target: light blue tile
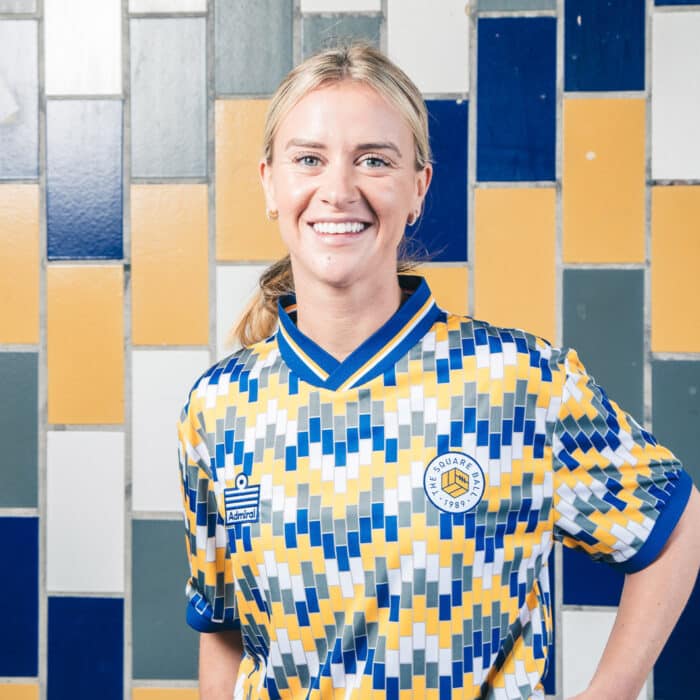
17	5
675	391
168	98
604	321
84	179
19	429
19	99
253	45
164	646
324	31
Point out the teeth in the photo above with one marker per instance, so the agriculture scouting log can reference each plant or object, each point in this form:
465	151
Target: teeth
345	227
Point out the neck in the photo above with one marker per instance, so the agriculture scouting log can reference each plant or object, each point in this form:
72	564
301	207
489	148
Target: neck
340	319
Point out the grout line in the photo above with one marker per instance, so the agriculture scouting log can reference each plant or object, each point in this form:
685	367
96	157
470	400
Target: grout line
297	33
128	345
471	160
674	356
18	680
155	683
674	182
86	427
211	174
20	347
515	184
516	14
165	15
171	515
676	8
118	595
12	512
169	181
605	94
85	98
384	27
604	266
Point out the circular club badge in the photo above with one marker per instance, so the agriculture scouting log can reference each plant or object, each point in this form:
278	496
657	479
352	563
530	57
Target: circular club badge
454	482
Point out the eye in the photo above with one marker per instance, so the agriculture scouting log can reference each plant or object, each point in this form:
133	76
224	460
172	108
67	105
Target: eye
310	161
372	160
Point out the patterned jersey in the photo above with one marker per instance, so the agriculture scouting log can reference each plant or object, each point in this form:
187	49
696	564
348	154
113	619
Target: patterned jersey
380	527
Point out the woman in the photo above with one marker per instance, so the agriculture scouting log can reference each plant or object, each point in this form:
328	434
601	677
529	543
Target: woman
373	485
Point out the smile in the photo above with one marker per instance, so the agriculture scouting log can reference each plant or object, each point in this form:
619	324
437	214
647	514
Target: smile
339	227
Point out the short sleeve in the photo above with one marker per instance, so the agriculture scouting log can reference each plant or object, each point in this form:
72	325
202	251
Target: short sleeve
210	588
618	494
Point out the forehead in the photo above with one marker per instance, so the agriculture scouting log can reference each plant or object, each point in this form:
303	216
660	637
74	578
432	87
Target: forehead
346	111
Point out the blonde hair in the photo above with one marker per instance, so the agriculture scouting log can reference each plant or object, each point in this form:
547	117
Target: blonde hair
362	63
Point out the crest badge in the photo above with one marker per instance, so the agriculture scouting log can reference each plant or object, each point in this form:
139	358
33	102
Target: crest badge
454	482
242	503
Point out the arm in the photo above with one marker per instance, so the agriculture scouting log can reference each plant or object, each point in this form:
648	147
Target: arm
651	603
219	658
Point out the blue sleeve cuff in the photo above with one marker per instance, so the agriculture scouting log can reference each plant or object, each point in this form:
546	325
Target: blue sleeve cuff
664	526
203	623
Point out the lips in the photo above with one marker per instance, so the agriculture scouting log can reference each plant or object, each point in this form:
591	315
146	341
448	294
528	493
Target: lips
336	227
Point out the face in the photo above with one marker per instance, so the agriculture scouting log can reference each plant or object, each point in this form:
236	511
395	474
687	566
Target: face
344	182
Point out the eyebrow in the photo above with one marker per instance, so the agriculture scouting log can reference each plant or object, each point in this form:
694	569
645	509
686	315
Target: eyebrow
371	146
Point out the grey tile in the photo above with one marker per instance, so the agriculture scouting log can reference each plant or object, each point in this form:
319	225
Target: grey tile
512	5
603	320
253	41
19	99
164	646
17	5
324	31
168	98
19	429
676	410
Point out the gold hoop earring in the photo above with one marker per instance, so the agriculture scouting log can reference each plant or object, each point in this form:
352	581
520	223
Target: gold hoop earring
272	214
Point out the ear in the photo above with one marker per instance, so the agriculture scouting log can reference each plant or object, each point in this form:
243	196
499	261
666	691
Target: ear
265	170
423	180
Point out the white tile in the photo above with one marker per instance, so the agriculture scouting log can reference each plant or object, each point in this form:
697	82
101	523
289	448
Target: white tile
584	635
167	6
235	286
675	95
341	5
85	512
430	41
161	380
83	47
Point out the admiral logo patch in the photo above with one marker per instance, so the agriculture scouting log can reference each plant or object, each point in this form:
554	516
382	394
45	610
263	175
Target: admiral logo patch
454	482
242	503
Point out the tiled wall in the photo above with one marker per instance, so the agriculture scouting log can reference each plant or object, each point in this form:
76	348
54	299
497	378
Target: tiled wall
566	200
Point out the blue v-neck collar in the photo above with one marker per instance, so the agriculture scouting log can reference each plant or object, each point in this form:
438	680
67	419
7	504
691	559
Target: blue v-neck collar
374	356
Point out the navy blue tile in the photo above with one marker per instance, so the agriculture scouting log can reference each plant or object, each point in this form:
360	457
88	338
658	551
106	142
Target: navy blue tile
675	391
86	657
441	232
580	570
676	671
549	679
84	179
164	646
604	45
516	99
604	321
19	606
19	429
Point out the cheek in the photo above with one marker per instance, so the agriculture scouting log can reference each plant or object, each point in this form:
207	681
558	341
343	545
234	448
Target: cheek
293	195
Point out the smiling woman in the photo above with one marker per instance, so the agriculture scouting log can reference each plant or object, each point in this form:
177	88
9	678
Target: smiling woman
373	485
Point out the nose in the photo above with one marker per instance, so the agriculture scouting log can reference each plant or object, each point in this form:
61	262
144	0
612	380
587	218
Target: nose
339	187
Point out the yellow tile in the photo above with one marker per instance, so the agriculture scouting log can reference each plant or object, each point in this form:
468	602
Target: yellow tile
19	263
603	180
85	331
514	267
164	694
242	230
169	271
675	260
19	691
449	285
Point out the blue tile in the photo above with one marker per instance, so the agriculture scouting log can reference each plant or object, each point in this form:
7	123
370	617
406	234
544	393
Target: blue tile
516	105
604	321
675	392
441	232
325	31
164	646
676	671
20	598
168	98
85	648
19	429
604	45
19	99
580	570
244	63
84	179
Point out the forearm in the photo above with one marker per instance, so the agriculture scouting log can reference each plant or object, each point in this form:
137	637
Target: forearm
220	656
651	602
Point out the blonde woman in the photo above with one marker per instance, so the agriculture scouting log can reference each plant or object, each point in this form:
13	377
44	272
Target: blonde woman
372	484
